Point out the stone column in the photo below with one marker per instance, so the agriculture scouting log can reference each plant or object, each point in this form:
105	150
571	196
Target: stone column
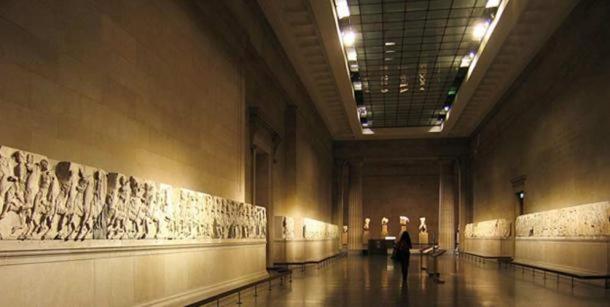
446	206
355	218
465	197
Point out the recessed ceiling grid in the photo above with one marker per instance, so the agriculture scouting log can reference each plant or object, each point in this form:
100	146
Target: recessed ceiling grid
409	53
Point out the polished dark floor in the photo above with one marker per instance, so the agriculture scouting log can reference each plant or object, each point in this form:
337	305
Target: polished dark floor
375	281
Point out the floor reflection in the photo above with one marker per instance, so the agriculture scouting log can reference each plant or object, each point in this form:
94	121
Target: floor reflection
375	281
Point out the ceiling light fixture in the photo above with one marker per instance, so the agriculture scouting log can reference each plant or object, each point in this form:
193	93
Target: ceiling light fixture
390	43
342	9
467	59
351	54
492	3
349	37
367	131
479	30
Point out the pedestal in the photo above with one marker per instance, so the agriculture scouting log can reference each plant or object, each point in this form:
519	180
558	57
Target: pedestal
384	231
423	238
365	238
344	238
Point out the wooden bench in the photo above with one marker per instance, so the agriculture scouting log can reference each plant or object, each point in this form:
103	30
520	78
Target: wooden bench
572	274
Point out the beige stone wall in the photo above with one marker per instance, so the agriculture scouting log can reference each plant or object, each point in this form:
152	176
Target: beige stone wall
135	87
552	126
159	90
393	189
314	173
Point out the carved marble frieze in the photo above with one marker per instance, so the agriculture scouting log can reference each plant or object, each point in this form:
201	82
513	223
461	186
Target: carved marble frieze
492	229
43	199
583	221
289	228
316	230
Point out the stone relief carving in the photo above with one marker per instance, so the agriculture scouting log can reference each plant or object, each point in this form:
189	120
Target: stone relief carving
316	230
492	229
312	229
583	221
41	199
287	228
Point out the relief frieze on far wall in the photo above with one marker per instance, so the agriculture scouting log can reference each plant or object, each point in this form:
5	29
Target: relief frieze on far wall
42	199
583	221
492	229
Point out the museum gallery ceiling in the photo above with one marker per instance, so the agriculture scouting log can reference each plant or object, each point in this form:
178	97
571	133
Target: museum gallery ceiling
417	69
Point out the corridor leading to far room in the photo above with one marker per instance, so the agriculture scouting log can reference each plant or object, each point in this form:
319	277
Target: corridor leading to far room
375	281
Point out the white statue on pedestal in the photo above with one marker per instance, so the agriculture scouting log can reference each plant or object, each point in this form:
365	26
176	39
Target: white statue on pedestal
384	226
344	235
423	231
365	231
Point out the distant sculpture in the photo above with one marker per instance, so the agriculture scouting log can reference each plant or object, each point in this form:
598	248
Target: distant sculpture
41	199
422	225
423	231
384	227
344	235
365	231
367	222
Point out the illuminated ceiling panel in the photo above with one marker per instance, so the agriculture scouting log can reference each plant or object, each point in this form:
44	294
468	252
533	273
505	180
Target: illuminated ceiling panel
409	55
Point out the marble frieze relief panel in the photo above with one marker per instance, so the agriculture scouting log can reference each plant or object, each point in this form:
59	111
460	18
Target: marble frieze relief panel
492	229
290	228
588	221
43	199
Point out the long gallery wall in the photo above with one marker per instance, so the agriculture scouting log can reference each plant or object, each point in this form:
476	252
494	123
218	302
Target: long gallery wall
490	238
298	240
61	216
576	238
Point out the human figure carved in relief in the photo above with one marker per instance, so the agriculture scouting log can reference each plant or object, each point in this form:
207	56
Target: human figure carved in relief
149	207
216	212
7	181
89	213
161	213
209	217
72	190
41	198
100	192
26	187
81	205
134	207
117	226
47	215
82	223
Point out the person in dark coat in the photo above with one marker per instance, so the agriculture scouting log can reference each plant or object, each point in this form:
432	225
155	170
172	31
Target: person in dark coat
404	253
